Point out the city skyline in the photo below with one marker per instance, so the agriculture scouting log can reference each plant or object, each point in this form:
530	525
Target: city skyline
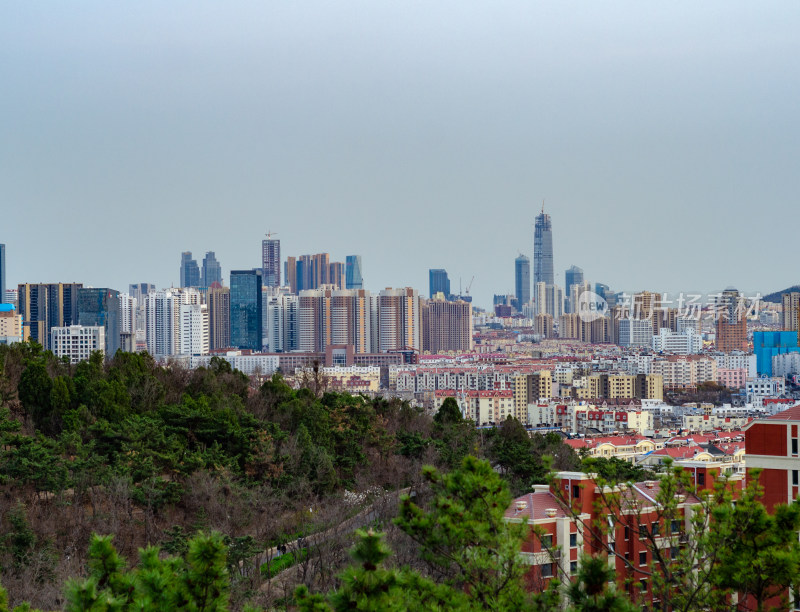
616	115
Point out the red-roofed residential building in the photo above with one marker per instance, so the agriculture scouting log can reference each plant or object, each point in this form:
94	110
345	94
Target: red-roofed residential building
773	446
565	522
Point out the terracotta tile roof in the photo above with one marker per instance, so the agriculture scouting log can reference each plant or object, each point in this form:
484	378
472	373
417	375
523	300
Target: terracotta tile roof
790	414
536	505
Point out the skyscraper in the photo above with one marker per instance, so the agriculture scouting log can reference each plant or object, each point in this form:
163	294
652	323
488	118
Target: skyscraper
2	273
522	280
573	276
219	317
212	271
246	323
190	271
100	307
353	279
543	250
271	261
438	281
44	306
308	271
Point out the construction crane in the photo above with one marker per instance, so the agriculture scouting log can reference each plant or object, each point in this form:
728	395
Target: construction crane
470	285
270	234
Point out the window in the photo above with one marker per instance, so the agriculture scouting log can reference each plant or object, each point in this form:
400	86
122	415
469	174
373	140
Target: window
676	526
546	540
643	557
794	446
576	491
795	480
547	570
654	528
701	479
573	540
643	585
642	531
627	533
573	567
673	552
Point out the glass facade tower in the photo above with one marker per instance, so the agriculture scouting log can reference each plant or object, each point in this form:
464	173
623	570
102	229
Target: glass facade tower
522	280
353	279
100	307
438	281
246	309
543	250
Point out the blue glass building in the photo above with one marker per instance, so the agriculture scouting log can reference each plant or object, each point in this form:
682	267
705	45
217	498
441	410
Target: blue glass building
353	278
522	280
438	281
190	271
767	344
100	307
246	309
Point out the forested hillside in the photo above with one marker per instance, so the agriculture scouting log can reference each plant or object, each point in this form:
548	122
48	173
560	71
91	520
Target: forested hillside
152	455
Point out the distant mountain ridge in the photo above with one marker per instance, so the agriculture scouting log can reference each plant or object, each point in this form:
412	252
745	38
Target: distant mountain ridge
775	298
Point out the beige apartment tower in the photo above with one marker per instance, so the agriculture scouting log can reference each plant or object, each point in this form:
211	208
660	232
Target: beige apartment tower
446	326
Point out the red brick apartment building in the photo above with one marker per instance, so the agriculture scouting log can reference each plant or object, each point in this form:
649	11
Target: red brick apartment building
559	535
563	516
773	446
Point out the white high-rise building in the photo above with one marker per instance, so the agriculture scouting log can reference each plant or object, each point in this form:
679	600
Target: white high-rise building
77	342
281	323
688	342
164	320
635	332
549	300
127	313
193	336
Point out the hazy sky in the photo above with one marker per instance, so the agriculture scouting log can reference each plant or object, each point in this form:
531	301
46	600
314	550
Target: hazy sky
665	138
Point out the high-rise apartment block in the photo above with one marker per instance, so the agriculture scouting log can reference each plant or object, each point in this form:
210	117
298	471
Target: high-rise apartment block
246	305
398	320
522	280
446	326
100	307
731	322
337	275
791	312
635	332
543	250
338	317
165	325
212	270
282	332
271	261
219	317
438	282
314	271
353	275
77	342
44	306
549	300
190	271
193	325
